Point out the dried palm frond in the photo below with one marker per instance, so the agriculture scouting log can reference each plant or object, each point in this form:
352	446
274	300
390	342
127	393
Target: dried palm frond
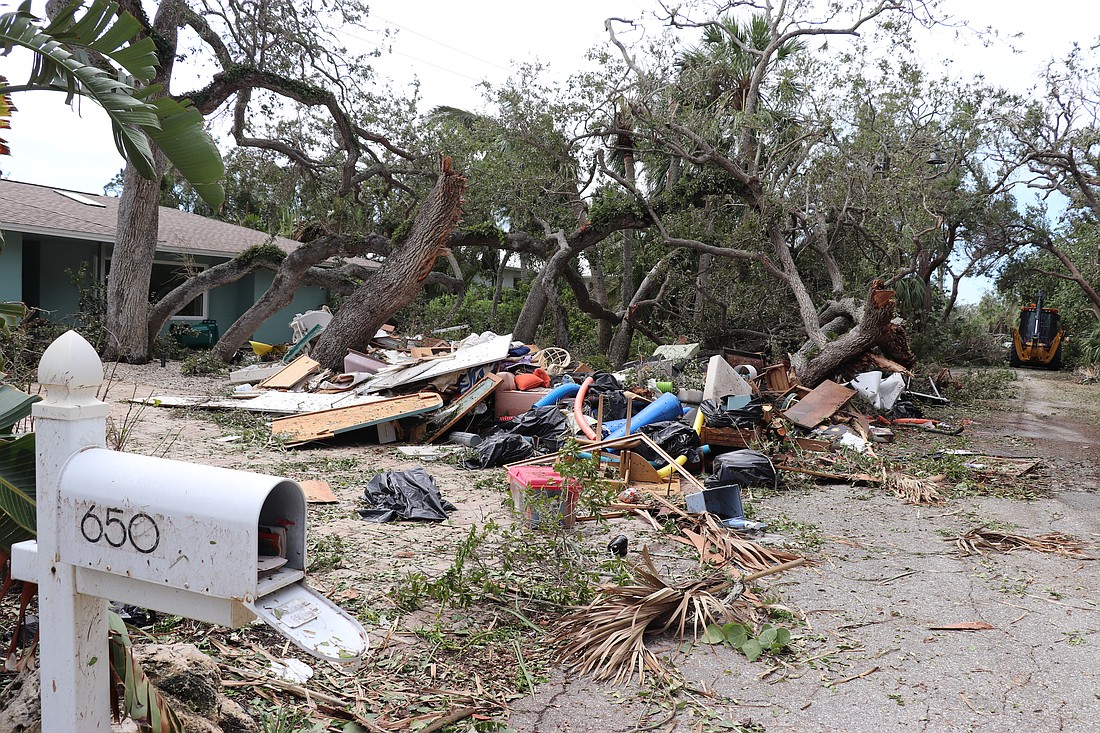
718	545
980	540
913	490
606	638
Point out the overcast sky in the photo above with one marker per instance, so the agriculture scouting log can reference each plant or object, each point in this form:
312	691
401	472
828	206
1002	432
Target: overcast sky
451	46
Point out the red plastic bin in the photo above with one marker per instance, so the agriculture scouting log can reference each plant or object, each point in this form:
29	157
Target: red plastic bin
556	498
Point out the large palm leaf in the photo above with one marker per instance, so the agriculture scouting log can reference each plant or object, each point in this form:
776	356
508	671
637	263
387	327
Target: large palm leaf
63	62
17	491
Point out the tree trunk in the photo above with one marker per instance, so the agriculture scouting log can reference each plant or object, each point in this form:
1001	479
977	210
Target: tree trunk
530	316
599	294
872	330
132	266
702	276
396	284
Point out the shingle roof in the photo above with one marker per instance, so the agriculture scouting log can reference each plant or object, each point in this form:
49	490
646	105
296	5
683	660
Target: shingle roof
34	209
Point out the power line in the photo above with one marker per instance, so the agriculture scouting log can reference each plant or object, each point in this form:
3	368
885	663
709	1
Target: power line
414	58
444	45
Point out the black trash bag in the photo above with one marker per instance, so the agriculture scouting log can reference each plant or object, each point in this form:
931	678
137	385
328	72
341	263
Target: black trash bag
675	438
498	450
905	408
715	416
546	423
539	422
614	401
411	494
746	468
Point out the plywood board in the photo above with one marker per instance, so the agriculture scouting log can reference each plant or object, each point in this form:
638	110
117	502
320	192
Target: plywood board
640	470
292	374
458	409
819	405
255	373
327	423
474	356
729	437
271	401
318	492
722	380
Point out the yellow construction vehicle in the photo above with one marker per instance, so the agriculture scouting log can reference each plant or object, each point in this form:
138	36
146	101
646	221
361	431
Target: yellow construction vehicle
1037	341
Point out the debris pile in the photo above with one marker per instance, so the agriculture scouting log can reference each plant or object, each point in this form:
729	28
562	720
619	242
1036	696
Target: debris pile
658	424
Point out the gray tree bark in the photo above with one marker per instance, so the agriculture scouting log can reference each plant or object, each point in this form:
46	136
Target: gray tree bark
396	284
132	267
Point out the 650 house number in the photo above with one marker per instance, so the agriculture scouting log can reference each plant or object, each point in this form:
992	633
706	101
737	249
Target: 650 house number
118	527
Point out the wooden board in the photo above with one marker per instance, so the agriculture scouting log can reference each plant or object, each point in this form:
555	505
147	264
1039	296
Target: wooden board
327	423
438	426
819	405
422	371
729	437
293	373
317	492
640	470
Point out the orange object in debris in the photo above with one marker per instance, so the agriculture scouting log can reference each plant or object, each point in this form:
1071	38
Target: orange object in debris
525	382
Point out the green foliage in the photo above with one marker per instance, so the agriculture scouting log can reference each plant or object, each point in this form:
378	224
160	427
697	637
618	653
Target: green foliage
203	363
587	473
267	252
964	339
325	552
21	346
62	62
18	520
91	315
286	720
10	315
770	640
984	384
431	311
141	700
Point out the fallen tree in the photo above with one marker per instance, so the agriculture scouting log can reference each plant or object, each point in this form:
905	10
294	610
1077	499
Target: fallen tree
396	283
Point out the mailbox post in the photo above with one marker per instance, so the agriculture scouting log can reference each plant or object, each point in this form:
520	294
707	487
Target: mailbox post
208	543
75	667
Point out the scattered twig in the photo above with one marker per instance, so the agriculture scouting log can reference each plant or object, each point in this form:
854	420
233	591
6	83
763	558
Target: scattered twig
454	717
861	675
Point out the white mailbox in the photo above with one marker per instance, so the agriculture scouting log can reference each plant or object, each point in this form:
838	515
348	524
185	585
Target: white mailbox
208	543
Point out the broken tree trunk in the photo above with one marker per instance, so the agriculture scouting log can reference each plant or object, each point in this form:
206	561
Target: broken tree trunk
288	277
872	329
399	280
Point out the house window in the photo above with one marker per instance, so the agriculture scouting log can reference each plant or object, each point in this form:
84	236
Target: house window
166	276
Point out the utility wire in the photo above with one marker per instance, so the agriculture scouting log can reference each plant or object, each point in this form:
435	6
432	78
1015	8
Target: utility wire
444	45
414	58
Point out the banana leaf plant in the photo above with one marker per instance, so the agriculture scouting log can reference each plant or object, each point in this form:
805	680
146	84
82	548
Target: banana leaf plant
97	54
140	700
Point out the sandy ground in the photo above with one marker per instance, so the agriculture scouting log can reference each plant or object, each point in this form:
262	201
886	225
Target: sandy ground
865	656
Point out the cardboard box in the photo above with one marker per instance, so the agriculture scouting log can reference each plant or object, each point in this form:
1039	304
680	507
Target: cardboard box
543	496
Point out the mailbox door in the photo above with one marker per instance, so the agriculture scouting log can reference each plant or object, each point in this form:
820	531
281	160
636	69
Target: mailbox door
314	623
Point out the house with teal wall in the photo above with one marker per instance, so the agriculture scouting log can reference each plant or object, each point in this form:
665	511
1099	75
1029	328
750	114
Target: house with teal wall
57	241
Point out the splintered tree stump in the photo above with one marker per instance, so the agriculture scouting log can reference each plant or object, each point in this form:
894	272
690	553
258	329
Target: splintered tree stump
873	330
401	277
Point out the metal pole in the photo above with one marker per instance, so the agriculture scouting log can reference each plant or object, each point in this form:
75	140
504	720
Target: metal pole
74	663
